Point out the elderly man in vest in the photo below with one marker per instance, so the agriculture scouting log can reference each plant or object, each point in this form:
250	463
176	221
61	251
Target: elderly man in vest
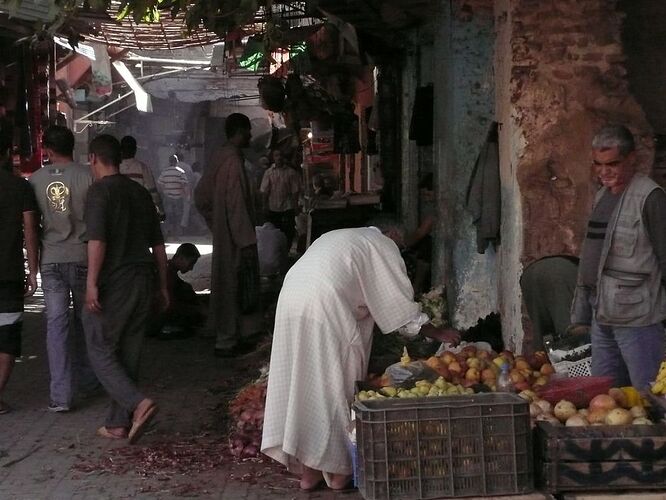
620	290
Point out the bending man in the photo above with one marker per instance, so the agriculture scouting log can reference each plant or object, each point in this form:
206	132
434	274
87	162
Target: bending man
331	298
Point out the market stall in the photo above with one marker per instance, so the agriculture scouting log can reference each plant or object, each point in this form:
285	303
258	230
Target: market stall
439	427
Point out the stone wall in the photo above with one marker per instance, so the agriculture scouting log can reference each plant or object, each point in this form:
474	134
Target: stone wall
644	42
567	78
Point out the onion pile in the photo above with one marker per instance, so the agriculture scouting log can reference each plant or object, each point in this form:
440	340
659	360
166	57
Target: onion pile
247	415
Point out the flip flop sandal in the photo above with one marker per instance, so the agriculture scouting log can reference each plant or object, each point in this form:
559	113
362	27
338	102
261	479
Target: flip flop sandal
347	488
319	485
140	424
105	433
4	408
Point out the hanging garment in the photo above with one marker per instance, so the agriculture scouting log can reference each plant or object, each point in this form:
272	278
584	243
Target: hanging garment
421	126
483	193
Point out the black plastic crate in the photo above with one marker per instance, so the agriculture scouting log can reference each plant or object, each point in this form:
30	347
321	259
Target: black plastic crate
450	446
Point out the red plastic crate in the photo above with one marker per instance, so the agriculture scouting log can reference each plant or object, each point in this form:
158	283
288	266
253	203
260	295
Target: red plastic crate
578	390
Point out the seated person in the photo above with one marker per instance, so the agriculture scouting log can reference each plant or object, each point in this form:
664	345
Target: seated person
418	244
272	249
186	312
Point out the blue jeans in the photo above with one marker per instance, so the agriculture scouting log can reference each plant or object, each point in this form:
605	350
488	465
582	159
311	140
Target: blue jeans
631	355
69	367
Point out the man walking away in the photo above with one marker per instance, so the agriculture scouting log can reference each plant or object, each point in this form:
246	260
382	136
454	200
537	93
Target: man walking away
175	186
61	188
123	227
280	187
18	217
138	171
224	199
620	290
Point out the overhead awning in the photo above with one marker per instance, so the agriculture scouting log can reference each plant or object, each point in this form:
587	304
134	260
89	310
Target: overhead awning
167	33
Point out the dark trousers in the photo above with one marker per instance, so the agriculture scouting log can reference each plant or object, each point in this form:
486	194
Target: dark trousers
285	222
115	337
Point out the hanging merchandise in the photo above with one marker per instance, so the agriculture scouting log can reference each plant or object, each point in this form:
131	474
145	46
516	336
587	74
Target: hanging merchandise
322	138
294	87
299	58
101	70
22	116
421	125
345	125
371	145
253	57
272	93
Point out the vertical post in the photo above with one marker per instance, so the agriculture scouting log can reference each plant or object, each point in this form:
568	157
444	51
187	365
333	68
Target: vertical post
409	199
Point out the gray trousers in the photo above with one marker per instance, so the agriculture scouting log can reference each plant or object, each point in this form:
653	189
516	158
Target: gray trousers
115	337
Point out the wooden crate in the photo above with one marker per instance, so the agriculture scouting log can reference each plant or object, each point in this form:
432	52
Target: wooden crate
600	458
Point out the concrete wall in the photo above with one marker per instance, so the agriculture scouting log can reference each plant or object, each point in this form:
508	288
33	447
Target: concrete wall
464	109
511	149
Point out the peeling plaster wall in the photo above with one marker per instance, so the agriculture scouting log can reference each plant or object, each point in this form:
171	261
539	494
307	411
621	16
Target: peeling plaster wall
512	145
464	109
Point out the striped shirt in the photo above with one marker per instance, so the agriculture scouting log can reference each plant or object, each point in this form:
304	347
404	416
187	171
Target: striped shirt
281	185
174	183
594	238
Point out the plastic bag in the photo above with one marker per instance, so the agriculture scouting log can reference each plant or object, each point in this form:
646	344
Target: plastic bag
480	346
406	375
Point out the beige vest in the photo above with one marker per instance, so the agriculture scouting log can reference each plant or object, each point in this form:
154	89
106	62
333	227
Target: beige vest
629	288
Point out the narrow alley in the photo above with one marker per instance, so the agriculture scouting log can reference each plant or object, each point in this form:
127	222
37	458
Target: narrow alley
46	455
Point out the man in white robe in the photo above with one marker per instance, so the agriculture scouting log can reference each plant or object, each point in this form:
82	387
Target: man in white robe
345	282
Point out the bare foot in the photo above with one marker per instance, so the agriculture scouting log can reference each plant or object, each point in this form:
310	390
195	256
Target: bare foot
112	432
340	481
311	478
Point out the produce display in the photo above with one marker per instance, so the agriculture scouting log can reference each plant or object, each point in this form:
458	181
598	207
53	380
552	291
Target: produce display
422	388
466	372
247	414
619	407
659	386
